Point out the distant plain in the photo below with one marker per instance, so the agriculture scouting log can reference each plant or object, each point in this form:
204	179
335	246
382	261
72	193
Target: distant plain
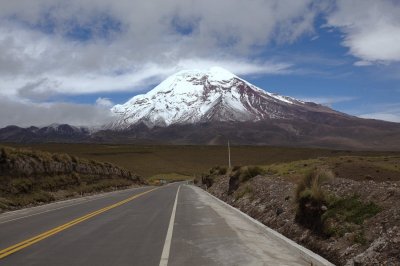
190	160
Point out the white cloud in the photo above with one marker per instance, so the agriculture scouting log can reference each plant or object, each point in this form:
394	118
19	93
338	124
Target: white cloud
363	63
329	101
104	102
14	112
50	83
146	41
371	29
383	116
384	111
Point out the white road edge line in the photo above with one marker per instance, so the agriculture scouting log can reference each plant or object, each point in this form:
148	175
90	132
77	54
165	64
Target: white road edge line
168	239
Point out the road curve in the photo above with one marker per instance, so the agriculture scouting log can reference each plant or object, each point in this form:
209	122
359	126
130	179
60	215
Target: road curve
142	226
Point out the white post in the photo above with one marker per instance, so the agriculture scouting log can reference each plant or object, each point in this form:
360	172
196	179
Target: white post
229	155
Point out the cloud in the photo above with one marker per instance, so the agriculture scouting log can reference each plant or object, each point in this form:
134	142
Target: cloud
329	101
104	102
371	29
54	47
363	63
48	84
387	111
14	112
383	116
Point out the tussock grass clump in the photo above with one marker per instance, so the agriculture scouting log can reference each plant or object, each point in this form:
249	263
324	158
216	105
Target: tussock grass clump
311	199
218	170
207	179
327	214
242	175
245	173
309	186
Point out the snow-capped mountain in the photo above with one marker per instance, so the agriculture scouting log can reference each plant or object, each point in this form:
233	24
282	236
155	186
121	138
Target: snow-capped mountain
194	96
213	106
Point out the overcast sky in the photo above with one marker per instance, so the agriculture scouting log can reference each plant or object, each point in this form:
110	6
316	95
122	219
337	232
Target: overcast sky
69	61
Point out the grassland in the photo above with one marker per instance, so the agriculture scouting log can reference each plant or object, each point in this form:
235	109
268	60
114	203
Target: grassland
377	168
150	160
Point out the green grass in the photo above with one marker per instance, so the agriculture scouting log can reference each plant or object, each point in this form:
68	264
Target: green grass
350	210
347	215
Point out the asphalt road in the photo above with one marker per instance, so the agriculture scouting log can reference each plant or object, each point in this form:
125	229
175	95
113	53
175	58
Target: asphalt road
142	226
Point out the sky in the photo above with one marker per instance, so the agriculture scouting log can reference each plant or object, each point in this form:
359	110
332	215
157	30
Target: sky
71	61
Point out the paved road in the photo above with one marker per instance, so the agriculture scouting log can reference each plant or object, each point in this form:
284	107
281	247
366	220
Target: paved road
140	227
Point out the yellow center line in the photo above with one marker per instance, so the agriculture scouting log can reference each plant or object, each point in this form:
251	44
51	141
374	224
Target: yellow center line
26	243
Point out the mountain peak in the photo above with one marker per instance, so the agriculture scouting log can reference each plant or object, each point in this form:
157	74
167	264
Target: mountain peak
197	96
215	72
220	73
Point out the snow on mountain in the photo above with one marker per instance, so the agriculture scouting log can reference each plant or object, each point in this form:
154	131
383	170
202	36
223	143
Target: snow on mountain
194	96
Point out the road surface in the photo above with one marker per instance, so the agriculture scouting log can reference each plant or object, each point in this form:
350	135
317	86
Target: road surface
177	224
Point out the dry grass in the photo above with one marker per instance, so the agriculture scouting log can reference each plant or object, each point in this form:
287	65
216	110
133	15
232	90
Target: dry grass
310	185
149	160
169	177
377	168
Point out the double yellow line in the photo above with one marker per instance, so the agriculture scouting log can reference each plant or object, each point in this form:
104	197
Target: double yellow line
26	243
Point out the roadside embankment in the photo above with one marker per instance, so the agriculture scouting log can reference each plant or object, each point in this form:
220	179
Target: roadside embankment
349	222
33	177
